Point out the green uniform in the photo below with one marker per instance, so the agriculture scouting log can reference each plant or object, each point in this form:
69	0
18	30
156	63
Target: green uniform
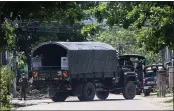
24	86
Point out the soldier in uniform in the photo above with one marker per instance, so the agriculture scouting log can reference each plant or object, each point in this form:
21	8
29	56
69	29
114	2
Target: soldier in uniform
24	85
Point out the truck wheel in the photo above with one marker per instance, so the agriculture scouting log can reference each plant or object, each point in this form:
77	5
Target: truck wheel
129	90
146	93
88	92
59	97
102	95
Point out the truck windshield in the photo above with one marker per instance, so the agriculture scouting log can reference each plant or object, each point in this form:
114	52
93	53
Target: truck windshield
150	74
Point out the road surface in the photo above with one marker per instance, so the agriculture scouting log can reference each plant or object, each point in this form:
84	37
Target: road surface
114	102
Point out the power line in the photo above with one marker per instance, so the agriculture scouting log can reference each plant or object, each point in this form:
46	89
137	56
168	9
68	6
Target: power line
52	27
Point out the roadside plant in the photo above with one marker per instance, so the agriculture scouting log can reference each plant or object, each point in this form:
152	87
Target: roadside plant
6	84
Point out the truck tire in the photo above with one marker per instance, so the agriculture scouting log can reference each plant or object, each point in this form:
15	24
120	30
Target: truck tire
88	92
59	97
146	93
102	95
129	90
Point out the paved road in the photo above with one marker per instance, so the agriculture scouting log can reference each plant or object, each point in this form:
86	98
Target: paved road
114	102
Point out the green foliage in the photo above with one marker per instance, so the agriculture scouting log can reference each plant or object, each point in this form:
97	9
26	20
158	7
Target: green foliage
116	34
6	83
169	101
157	16
90	29
21	60
97	11
5	108
9	33
63	12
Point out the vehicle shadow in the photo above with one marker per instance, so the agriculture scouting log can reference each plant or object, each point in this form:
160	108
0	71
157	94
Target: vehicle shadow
74	101
101	100
36	98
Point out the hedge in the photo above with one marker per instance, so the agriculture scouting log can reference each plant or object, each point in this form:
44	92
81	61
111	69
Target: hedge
6	85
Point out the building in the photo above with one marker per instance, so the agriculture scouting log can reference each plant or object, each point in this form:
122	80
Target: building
4	57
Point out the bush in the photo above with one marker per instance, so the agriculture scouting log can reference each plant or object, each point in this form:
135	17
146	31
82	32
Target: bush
5	108
6	84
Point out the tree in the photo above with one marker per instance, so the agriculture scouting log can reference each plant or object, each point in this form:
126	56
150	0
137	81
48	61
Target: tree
6	82
63	12
29	13
44	12
115	35
153	19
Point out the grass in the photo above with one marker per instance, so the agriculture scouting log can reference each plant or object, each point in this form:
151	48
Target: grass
169	101
3	108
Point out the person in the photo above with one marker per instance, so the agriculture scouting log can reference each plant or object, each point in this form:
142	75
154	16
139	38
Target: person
24	85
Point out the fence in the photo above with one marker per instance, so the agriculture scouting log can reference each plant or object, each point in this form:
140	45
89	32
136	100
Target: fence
171	72
161	82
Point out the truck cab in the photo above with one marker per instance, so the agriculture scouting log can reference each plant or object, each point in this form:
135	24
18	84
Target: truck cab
150	78
135	63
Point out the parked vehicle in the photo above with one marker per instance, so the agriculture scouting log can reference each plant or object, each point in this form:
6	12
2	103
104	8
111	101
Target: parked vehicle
150	78
81	69
135	63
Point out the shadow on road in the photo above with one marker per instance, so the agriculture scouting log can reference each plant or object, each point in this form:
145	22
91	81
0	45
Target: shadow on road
101	100
36	98
28	102
71	101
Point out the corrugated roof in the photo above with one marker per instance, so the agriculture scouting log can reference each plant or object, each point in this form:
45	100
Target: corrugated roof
79	45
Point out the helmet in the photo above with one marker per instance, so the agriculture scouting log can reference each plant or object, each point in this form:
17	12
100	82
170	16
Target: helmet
23	75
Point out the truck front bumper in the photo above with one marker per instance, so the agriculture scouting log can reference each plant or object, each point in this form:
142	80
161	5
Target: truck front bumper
150	88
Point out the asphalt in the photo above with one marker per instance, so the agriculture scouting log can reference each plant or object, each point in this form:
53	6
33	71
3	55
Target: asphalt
113	102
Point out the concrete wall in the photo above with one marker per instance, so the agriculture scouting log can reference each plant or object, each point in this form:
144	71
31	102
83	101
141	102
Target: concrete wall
171	73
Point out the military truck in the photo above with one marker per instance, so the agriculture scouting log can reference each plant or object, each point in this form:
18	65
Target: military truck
150	78
81	69
136	63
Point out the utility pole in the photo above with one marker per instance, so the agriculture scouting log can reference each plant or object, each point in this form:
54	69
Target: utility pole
172	58
163	51
127	48
14	68
15	59
120	48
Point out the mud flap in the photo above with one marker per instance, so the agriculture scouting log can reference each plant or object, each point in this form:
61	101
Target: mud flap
52	92
77	91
